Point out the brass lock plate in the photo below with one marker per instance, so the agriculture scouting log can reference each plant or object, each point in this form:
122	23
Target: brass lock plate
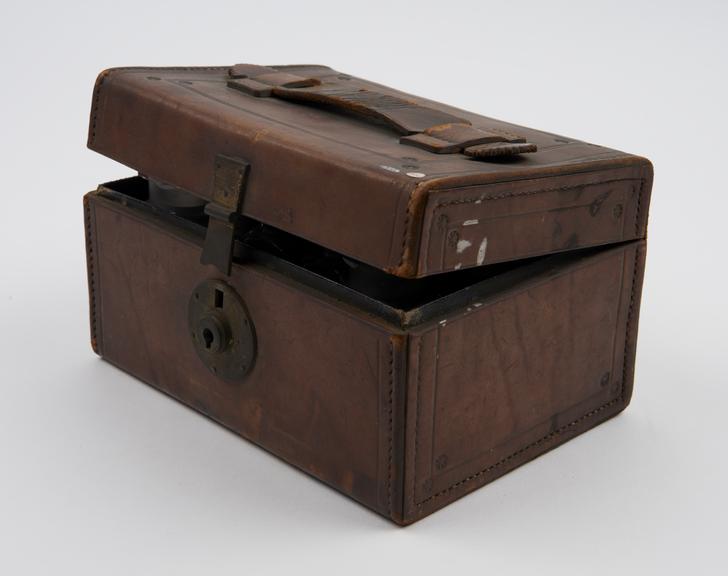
221	330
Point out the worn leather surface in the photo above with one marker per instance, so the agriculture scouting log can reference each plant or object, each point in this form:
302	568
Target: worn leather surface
404	422
318	393
351	186
495	385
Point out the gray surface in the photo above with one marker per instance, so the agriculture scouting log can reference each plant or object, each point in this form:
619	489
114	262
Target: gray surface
100	474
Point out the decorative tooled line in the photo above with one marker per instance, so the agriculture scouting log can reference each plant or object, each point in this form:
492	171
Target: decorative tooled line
527	192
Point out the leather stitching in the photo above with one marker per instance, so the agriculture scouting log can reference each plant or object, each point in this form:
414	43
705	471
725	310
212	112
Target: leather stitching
95	106
417	417
528	192
639	206
566	427
407	216
391	428
91	274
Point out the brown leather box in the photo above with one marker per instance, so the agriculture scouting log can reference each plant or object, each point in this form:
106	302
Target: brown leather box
403	299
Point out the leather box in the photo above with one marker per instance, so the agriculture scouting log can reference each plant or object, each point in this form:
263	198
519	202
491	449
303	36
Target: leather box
403	299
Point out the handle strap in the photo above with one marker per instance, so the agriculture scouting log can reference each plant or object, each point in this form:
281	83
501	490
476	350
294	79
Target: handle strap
420	126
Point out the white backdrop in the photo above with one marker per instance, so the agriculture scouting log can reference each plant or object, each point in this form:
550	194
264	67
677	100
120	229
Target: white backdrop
99	474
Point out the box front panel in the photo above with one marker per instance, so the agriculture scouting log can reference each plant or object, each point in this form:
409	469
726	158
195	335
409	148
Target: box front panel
320	392
508	378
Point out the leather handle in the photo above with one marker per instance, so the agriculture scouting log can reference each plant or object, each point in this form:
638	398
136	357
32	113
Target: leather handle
402	116
427	128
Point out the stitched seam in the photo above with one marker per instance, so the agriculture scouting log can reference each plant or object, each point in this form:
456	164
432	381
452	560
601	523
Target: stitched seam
391	427
407	217
91	275
498	197
416	418
104	76
576	422
95	107
637	212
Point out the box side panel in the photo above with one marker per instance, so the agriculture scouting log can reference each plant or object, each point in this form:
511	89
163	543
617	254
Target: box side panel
476	225
321	394
510	378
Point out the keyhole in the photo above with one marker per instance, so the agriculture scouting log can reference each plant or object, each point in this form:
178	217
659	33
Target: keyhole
208	337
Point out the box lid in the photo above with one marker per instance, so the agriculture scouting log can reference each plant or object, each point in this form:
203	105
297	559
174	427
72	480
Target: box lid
408	185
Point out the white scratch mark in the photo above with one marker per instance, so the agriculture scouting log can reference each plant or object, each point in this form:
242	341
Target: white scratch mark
458	266
478	304
481	250
443	322
470	223
463	245
389	168
478	201
416	174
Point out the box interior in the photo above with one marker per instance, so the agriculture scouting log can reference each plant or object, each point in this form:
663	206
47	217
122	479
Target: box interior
400	300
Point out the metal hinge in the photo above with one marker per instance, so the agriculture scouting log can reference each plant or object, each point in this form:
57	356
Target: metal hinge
231	175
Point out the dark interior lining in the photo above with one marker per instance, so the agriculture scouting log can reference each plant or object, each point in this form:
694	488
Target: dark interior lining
398	293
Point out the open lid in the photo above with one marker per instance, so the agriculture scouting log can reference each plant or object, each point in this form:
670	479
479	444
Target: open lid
405	184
